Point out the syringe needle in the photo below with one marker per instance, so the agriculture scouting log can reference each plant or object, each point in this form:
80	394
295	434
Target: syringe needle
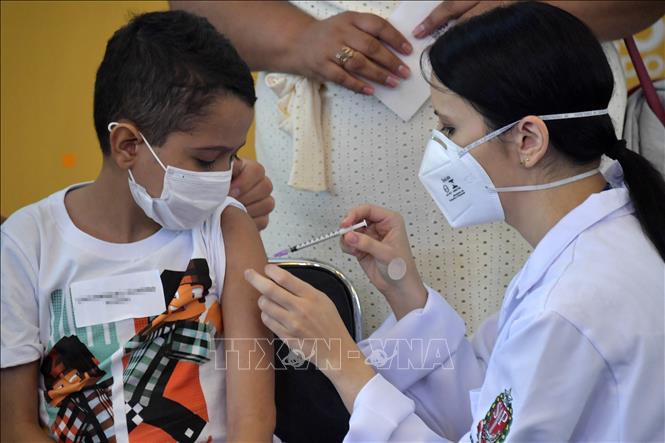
317	240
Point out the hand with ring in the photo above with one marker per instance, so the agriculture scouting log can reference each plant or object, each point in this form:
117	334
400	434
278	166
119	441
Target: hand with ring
351	49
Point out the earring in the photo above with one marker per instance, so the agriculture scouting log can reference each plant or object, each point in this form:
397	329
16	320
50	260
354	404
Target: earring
524	161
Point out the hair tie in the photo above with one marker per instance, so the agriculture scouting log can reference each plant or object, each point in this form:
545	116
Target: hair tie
616	150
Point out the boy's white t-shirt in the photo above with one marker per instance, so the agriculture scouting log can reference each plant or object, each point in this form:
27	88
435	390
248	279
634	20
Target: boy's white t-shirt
155	378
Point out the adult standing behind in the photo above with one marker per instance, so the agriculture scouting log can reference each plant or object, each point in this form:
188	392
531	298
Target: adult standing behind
329	145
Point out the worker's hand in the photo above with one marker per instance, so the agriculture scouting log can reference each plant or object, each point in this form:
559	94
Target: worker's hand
452	10
367	35
251	187
305	318
384	241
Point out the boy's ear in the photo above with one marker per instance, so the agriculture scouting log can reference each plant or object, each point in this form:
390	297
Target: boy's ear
532	139
124	140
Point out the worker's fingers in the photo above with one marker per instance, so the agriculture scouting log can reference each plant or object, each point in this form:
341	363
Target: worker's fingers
380	220
289	282
270	289
364	243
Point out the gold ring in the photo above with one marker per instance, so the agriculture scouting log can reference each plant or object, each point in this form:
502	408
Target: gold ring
344	55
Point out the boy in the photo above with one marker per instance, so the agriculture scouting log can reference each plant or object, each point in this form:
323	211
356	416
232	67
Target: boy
112	304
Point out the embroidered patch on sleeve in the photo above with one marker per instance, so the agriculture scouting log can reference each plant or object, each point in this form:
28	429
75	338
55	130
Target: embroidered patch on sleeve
495	426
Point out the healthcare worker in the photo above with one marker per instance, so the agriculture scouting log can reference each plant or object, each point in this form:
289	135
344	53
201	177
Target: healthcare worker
576	352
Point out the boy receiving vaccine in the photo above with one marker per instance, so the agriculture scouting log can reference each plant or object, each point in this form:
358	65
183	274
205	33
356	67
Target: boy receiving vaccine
116	294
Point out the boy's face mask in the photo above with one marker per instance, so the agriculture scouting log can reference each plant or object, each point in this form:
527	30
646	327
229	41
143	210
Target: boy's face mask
188	198
460	186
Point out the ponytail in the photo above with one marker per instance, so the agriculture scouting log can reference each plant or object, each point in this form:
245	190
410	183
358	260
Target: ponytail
647	192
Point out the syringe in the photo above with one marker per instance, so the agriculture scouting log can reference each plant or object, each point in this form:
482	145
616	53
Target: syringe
342	231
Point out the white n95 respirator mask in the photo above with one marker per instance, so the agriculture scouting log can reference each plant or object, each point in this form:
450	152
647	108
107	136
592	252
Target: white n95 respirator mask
460	186
188	198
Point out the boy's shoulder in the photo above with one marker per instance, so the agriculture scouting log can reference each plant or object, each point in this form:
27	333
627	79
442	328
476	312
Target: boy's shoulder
213	225
30	221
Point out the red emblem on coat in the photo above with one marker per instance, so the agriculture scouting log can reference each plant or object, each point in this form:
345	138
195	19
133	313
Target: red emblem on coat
495	426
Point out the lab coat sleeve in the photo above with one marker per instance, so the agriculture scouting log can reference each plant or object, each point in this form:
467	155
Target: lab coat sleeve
544	361
381	413
464	373
405	351
552	372
426	352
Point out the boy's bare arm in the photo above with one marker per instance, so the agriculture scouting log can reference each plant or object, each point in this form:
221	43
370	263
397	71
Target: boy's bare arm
20	404
250	377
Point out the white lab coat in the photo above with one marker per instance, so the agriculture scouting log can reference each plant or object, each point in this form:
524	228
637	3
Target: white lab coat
577	349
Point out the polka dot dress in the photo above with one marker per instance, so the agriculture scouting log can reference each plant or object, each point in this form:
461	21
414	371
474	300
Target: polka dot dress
374	157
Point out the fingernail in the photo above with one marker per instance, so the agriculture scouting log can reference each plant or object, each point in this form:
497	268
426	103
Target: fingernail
407	48
352	238
404	71
393	82
260	302
368	90
248	274
234	192
420	29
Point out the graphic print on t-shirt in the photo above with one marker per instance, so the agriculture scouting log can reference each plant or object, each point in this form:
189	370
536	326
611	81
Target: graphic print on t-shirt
71	376
164	400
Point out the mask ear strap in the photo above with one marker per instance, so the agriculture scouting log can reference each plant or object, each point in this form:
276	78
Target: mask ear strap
562	116
111	126
550	185
152	151
487	138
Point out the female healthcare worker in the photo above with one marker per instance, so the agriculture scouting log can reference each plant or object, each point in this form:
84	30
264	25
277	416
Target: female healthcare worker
576	352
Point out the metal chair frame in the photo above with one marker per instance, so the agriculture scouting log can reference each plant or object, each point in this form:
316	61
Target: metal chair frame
355	301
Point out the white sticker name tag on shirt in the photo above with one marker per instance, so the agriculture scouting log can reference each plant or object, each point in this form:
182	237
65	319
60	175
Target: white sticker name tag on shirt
109	299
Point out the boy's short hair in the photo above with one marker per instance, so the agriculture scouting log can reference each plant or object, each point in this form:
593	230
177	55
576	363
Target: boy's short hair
162	70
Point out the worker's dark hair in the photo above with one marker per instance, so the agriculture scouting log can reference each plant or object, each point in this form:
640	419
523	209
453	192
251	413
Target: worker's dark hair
531	58
162	70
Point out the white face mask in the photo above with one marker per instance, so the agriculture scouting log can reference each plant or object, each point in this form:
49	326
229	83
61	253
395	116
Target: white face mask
460	186
188	198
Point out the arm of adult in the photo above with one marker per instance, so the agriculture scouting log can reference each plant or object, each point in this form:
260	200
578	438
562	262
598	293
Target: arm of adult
609	20
249	379
424	335
277	36
307	320
20	404
419	337
544	347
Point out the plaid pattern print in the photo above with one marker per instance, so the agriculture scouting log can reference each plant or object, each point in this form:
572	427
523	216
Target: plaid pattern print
190	341
140	364
133	413
69	421
99	402
85	417
150	353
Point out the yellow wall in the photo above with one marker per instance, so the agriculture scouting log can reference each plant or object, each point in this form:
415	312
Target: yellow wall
50	53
